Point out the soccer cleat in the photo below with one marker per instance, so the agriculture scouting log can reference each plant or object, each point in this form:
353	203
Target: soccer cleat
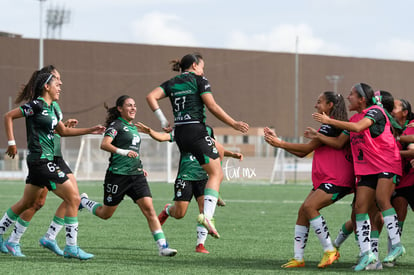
209	225
168	252
366	259
74	251
14	249
3	248
201	249
51	245
374	266
294	263
329	257
82	196
396	251
163	216
220	201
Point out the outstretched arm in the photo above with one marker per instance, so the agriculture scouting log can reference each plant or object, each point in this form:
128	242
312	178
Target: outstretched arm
345	125
64	131
334	142
155	135
218	112
232	154
298	149
406	139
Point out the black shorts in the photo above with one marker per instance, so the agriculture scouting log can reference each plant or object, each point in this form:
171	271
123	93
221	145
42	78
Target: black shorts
405	192
117	186
62	165
193	138
185	189
372	180
45	173
338	192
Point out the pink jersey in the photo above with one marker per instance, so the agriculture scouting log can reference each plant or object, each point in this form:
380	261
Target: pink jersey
334	166
408	176
331	165
373	155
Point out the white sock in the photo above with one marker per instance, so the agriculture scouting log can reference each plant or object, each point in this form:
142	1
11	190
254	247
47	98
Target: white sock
391	224
159	238
19	229
71	224
90	205
8	219
210	203
301	238
342	236
363	232
202	233
321	230
54	228
374	246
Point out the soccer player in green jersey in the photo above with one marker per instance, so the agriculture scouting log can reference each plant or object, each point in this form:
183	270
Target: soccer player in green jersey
42	119
190	181
189	94
125	174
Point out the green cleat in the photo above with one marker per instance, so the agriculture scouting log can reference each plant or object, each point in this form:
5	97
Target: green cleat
14	249
366	259
74	251
51	245
396	251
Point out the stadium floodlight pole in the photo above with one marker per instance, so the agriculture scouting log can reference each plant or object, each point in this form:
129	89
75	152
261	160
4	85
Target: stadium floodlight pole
41	33
296	98
334	79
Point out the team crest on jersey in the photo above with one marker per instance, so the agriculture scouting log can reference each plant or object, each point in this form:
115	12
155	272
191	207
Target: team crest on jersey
29	111
112	132
109	198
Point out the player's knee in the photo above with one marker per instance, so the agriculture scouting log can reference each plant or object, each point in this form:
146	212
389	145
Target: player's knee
307	207
105	216
179	214
73	199
37	205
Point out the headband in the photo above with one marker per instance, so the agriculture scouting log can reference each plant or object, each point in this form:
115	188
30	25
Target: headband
47	80
360	90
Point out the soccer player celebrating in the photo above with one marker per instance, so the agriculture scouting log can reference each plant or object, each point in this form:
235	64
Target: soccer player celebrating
189	93
125	174
191	181
329	183
377	164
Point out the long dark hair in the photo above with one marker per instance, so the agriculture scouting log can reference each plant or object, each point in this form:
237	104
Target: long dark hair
364	90
339	109
406	106
40	82
27	91
113	113
186	62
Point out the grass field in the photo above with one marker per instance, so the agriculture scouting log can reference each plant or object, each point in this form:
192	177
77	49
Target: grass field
256	229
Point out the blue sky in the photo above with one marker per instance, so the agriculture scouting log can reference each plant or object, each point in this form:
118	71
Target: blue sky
368	28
